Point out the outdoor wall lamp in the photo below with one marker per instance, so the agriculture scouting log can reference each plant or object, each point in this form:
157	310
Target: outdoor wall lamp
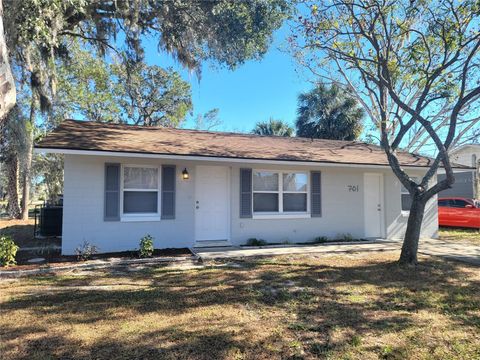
185	174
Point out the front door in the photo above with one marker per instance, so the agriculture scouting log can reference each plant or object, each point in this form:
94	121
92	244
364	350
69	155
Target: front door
373	205
212	203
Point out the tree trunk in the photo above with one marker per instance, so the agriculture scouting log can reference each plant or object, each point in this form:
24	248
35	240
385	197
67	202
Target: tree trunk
26	178
7	83
27	170
412	234
13	209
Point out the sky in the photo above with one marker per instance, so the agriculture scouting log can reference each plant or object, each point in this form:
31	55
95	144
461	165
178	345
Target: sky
255	91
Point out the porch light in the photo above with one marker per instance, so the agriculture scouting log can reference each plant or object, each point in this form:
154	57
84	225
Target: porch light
185	174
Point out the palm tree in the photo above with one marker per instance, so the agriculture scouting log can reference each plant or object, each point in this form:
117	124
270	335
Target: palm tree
273	127
329	113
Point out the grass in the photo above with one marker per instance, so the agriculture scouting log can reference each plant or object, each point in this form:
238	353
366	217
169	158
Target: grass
20	230
471	236
22	233
352	306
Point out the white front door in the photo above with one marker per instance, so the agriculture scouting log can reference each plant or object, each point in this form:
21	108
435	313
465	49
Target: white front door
373	205
212	203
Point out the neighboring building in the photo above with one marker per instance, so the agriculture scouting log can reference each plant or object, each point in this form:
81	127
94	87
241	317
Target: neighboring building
466	181
191	188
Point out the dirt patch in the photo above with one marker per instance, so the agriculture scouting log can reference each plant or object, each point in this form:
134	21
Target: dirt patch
54	259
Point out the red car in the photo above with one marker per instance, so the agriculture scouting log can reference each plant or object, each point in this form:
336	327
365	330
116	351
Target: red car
459	212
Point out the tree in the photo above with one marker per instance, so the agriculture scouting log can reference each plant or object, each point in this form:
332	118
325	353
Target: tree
228	32
273	127
208	121
413	66
86	87
48	170
329	113
150	95
13	148
121	91
7	83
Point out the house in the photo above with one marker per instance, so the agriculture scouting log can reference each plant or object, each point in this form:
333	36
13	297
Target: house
466	181
191	188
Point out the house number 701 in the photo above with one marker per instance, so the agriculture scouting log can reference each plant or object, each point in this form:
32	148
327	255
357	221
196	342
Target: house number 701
353	188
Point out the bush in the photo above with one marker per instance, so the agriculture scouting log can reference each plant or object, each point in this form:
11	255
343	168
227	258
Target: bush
345	237
256	242
146	246
320	240
86	251
8	251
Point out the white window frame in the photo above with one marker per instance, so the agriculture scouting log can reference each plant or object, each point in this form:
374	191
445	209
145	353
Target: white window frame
281	214
130	217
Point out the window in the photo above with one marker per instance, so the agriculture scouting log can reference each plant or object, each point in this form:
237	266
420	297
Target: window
474	160
280	192
457	203
444	203
140	190
295	192
406	198
266	192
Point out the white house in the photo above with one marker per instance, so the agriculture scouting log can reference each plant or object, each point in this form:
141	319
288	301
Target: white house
191	188
466	181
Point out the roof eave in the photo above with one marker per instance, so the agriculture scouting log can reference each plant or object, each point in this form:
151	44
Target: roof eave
73	151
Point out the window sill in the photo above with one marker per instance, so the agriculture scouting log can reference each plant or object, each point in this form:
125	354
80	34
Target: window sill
139	218
280	216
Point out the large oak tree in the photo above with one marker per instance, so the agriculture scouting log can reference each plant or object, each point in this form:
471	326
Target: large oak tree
228	32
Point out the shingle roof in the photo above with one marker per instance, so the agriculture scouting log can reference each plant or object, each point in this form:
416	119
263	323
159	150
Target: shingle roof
94	136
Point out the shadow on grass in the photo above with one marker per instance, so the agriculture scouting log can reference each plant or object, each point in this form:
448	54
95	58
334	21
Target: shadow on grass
375	297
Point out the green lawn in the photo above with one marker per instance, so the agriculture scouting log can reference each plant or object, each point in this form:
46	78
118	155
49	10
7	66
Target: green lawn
356	306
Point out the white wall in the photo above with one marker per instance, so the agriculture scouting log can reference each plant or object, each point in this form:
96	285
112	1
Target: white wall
84	204
463	155
342	210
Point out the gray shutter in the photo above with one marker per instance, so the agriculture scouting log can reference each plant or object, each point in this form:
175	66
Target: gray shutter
245	193
112	192
168	191
316	194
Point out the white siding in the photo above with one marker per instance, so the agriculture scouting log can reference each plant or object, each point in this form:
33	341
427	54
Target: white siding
83	210
463	155
342	210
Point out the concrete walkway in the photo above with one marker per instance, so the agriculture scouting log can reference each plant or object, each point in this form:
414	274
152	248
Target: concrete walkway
233	252
454	250
461	251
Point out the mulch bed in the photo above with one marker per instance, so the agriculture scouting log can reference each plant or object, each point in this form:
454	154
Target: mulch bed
56	260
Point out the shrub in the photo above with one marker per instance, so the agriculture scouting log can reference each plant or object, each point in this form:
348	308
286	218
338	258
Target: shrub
86	251
345	237
146	246
8	251
256	242
320	240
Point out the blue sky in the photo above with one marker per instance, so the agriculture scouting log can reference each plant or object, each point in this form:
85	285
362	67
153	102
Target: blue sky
253	92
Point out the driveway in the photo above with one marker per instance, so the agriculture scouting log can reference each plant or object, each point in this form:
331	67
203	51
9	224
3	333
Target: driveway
461	251
454	250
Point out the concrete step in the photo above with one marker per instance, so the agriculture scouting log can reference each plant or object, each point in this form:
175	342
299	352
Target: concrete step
211	243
